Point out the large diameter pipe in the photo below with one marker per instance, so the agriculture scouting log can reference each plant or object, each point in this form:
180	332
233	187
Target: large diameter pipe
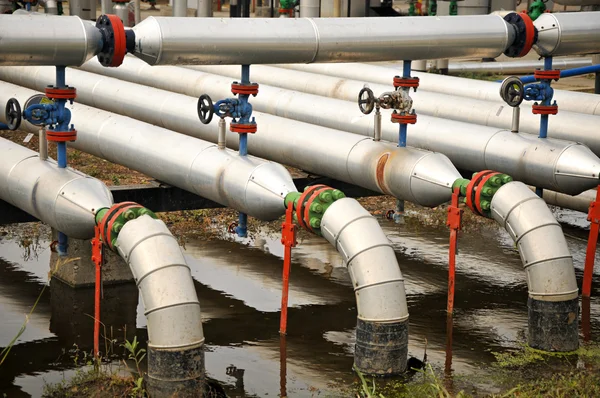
163	40
310	9
516	67
566	125
175	335
552	164
553	294
378	285
247	184
63	198
566	33
418	176
67	40
580	202
484	90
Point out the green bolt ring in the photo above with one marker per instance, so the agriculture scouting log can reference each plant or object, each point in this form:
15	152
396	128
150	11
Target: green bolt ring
489	189
318	207
120	221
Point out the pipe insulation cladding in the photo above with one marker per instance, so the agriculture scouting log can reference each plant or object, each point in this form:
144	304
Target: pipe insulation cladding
565	125
63	198
170	41
382	325
418	176
550	163
247	184
553	294
568	33
175	335
458	87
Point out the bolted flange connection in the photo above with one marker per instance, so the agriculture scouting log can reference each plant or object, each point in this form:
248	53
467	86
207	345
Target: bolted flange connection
310	205
111	220
480	190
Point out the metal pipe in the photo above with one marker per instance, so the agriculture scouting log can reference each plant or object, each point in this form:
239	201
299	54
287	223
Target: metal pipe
248	184
222	140
137	12
310	9
65	199
43	144
84	9
175	335
378	286
584	70
377	128
163	40
567	33
106	6
179	8
515	67
553	294
121	9
204	9
453	105
554	164
580	202
51	7
418	176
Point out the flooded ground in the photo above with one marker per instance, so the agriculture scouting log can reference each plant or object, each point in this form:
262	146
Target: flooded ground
239	286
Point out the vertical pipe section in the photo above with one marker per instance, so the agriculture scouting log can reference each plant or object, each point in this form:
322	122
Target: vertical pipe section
180	8
553	302
175	335
382	325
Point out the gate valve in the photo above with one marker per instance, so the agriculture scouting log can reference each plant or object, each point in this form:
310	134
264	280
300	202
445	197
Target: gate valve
12	114
240	112
541	91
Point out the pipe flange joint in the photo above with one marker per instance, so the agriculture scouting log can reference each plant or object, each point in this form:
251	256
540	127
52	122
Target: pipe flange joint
115	41
67	93
404	118
244	88
111	220
406	82
526	34
482	188
61	136
243	128
310	205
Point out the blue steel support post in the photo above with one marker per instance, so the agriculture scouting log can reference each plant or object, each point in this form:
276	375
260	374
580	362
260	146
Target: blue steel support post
404	126
544	118
61	148
242	228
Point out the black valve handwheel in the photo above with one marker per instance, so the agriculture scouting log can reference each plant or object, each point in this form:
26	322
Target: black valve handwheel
366	100
512	91
205	109
12	113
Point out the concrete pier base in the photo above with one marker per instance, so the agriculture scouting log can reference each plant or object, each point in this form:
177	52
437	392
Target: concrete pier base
77	269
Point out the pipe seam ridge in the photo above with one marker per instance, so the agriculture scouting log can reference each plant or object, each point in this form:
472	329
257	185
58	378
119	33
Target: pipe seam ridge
337	236
164	307
388	244
317	39
575	292
139	281
551	224
392	320
198	343
145	238
508	213
547	260
8	179
378	284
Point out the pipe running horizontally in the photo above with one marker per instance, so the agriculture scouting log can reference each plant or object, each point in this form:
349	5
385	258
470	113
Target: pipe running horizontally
571	101
102	134
69	201
516	67
553	293
551	163
247	184
456	88
418	176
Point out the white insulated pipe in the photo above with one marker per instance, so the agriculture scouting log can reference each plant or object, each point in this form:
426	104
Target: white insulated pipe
310	9
553	292
65	199
516	67
418	176
456	86
378	285
566	125
550	163
67	40
171	306
567	33
164	40
179	8
247	184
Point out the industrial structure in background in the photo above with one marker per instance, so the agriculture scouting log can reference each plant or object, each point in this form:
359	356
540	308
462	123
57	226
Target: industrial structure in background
170	123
